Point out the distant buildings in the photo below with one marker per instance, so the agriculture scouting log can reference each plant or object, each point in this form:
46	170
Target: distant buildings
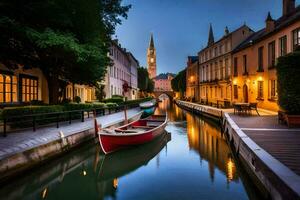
162	82
192	78
121	77
151	59
240	67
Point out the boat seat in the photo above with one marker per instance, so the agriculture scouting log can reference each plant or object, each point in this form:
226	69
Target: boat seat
143	127
106	130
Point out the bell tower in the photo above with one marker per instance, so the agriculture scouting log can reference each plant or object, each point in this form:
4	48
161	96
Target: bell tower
151	58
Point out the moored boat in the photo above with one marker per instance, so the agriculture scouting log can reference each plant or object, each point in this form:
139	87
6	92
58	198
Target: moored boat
148	104
134	133
123	162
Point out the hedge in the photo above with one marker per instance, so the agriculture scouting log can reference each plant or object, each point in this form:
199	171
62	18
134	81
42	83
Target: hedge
288	77
117	100
28	110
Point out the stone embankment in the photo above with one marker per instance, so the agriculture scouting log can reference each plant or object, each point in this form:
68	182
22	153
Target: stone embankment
276	178
24	150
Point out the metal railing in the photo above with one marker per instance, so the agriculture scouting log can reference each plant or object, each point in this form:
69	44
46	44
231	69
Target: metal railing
25	122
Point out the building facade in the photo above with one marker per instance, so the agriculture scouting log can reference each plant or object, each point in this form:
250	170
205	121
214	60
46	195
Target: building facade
151	59
134	64
254	74
162	82
118	76
192	79
215	65
22	86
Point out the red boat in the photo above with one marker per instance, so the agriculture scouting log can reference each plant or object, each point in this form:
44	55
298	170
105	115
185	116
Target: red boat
134	133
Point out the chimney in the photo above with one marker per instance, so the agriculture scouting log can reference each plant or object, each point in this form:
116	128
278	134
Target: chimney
288	7
270	23
226	31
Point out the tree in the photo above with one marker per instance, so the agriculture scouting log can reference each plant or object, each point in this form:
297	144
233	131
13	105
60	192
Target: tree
68	40
179	82
288	75
145	84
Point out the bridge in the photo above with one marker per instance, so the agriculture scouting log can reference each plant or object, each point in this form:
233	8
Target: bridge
170	94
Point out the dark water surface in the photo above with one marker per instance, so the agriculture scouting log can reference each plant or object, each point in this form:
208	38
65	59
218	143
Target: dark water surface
190	161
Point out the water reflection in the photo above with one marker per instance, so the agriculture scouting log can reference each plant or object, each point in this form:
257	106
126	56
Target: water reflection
195	164
211	145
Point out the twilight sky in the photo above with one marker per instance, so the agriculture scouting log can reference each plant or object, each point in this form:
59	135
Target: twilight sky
180	27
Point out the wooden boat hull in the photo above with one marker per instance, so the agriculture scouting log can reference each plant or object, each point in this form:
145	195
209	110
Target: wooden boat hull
123	162
113	142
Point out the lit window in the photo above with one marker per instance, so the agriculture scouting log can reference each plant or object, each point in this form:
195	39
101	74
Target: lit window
260	89
29	87
8	88
273	89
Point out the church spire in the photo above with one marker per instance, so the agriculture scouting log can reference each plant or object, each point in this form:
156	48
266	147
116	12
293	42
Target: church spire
211	39
151	45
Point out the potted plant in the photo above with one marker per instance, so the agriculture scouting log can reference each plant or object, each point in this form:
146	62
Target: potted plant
288	73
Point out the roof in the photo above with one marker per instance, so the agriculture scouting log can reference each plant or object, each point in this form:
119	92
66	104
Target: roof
227	35
151	44
164	76
193	59
132	56
280	23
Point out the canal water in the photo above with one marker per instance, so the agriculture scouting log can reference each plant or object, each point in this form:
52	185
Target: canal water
190	161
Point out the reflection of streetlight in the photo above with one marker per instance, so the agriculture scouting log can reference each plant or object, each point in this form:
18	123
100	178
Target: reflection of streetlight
44	193
234	82
115	183
230	169
84	173
192	78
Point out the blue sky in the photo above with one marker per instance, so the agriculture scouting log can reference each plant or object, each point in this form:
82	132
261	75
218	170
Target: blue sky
180	27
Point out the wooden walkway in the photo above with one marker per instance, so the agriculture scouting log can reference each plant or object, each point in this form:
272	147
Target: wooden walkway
281	142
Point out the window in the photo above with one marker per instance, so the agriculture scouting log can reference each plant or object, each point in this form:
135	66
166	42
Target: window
216	70
260	59
8	88
29	88
216	92
245	64
221	69
235	92
235	67
282	46
296	38
226	68
216	51
271	55
260	89
273	89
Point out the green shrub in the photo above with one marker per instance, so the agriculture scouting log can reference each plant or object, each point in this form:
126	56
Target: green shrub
117	96
111	104
288	73
113	100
